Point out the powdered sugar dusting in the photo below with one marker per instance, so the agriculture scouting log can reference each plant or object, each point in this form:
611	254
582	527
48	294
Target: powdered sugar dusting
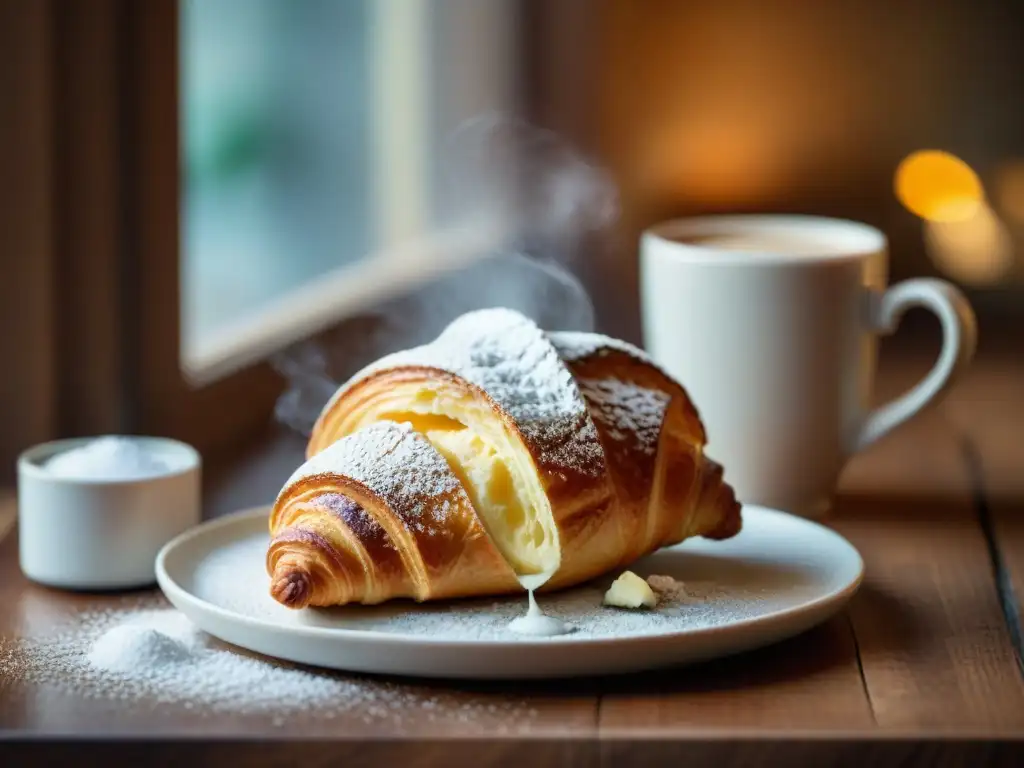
142	651
399	465
231	577
111	457
705	605
507	356
630	413
577	345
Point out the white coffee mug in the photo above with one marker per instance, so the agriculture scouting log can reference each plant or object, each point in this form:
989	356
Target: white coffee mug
771	323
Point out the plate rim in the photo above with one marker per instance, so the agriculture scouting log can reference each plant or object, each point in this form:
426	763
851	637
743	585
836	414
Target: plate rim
168	585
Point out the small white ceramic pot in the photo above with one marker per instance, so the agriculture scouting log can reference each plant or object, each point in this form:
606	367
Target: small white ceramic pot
97	533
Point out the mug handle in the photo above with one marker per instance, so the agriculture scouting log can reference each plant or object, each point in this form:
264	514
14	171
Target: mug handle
959	339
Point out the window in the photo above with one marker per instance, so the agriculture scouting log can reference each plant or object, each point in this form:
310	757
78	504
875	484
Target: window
154	272
276	98
312	145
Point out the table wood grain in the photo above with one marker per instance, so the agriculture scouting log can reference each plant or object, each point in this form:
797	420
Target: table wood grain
988	410
924	667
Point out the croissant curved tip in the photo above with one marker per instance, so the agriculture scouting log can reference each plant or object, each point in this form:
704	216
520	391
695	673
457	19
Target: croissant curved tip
731	522
293	589
720	496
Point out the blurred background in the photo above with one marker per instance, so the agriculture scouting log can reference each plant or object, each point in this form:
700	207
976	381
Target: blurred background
216	208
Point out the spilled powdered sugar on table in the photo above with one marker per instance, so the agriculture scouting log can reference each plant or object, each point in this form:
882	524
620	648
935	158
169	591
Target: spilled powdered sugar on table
139	652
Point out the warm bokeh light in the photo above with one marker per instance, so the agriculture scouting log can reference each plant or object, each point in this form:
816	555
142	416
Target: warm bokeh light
1009	190
975	251
713	161
938	186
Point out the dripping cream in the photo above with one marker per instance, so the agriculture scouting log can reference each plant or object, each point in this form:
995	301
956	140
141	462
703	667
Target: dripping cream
536	622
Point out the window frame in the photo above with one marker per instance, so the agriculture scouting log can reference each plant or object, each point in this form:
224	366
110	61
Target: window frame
227	395
97	292
28	405
94	280
158	398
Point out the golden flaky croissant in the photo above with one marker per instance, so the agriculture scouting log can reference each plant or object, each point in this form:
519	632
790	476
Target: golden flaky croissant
496	452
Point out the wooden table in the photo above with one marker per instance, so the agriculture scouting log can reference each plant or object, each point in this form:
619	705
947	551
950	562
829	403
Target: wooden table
923	668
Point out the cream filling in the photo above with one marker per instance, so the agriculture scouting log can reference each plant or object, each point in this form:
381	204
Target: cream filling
497	474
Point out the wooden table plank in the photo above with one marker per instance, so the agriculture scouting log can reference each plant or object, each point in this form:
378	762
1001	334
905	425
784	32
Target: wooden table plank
809	682
988	408
436	751
8	511
829	751
934	647
1007	520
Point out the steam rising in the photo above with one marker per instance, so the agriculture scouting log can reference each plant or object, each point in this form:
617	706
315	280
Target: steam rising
547	201
546	195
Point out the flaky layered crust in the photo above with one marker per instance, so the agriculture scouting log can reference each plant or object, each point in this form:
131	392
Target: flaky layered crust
665	490
614	445
555	427
349	526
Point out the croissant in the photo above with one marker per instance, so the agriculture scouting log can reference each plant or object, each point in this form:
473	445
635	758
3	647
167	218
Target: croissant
495	458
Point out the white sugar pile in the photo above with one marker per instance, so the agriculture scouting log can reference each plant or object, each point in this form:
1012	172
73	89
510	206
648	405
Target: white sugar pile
107	458
156	656
131	647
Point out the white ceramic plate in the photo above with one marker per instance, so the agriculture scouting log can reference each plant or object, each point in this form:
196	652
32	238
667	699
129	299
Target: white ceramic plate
780	576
